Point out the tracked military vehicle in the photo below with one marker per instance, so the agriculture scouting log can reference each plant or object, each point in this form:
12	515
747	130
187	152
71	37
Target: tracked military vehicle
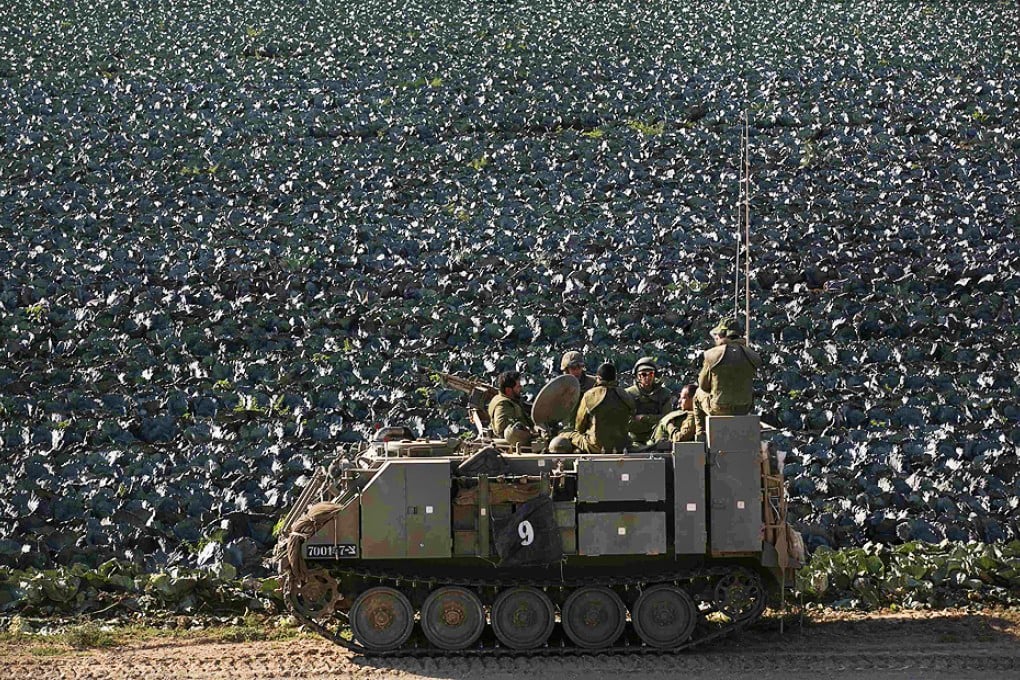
478	547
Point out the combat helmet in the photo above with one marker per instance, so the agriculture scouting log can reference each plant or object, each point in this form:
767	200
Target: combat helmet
517	433
561	444
571	359
646	363
728	327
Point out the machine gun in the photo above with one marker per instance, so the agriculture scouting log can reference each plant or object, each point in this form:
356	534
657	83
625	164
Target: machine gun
479	396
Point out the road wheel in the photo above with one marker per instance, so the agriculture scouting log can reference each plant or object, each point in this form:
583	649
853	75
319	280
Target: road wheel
382	619
452	617
594	617
523	618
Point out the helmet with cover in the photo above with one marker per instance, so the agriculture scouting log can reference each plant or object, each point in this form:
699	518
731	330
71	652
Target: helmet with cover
561	444
728	328
517	433
571	360
645	363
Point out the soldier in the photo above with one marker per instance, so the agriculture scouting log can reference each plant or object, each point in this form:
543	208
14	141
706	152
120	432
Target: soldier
727	371
651	400
572	363
678	425
505	409
603	415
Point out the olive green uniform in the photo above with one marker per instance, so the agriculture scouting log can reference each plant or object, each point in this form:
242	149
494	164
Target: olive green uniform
650	405
675	426
587	382
724	383
602	419
504	411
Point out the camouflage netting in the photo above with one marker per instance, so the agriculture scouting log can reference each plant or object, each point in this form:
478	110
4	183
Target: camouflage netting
233	233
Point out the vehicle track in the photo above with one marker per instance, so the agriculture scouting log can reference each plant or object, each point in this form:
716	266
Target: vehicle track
906	645
702	634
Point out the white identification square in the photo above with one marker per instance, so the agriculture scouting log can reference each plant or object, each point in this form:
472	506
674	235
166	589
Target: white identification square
625	477
428	509
692	507
740	505
622	531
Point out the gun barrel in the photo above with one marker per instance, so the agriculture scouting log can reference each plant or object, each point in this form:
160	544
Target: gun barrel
477	389
456	382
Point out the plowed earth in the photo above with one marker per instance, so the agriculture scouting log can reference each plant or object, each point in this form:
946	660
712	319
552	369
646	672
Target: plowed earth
891	645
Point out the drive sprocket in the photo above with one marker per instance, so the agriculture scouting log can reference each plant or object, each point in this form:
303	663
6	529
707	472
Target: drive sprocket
317	595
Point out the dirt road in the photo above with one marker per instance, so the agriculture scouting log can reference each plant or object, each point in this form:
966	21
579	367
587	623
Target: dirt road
897	646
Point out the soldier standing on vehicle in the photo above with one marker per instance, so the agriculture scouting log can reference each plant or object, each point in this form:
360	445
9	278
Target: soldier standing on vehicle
506	409
651	400
603	415
678	425
727	373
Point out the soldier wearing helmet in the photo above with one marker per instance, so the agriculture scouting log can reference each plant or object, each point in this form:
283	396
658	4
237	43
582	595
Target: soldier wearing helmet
651	400
678	425
727	372
603	415
572	363
507	415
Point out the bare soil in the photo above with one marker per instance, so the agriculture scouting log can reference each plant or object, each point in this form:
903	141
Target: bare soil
886	645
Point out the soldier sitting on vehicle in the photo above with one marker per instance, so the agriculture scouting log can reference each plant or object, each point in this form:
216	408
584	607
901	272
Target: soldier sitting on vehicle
572	363
507	415
651	400
603	415
678	425
727	371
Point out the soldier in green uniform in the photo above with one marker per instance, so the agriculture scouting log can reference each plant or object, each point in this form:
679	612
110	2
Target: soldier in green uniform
678	425
651	400
572	363
727	371
603	415
506	409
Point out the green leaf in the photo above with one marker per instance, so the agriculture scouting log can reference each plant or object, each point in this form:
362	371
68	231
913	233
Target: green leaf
874	564
61	589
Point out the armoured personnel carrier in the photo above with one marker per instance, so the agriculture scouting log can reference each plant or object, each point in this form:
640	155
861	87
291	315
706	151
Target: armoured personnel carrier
422	547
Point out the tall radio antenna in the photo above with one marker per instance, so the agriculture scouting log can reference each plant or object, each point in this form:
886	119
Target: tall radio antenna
743	227
747	229
740	224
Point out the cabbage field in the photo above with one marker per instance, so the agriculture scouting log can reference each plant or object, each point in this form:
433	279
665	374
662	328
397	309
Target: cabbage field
236	236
